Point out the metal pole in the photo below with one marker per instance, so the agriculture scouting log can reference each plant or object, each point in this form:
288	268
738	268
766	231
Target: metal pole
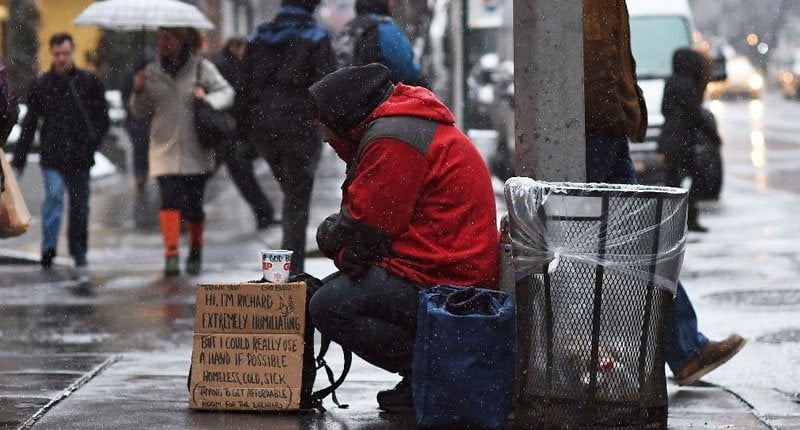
457	32
548	90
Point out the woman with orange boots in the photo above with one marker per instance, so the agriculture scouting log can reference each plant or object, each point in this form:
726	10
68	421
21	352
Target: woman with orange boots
168	88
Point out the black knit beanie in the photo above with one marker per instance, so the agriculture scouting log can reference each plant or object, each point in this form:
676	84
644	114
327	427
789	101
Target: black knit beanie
308	5
380	7
347	96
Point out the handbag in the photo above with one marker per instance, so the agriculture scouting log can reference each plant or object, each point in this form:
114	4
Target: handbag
14	215
464	358
215	128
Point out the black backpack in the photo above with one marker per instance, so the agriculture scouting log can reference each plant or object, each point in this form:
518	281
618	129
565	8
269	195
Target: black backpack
9	106
344	45
312	363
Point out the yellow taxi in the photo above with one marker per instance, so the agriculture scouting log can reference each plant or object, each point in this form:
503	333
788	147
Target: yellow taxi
744	80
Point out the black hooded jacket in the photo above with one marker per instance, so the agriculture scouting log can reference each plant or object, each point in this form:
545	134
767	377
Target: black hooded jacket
283	58
68	137
682	104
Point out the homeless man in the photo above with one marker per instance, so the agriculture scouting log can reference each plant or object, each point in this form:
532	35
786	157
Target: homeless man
417	210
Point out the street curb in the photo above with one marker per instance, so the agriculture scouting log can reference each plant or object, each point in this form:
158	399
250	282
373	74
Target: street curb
68	391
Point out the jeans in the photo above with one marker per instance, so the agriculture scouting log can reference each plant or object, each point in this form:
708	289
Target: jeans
375	316
76	184
608	160
294	164
185	193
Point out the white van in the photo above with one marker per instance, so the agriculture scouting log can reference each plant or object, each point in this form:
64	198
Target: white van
658	28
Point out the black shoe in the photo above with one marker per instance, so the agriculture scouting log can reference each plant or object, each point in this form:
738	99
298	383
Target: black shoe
47	258
695	227
398	399
194	263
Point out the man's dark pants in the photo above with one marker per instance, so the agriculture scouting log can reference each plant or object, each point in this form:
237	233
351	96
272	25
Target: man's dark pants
237	157
293	161
608	160
375	316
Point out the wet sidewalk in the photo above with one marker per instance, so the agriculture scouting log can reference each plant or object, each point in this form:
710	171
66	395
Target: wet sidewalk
134	388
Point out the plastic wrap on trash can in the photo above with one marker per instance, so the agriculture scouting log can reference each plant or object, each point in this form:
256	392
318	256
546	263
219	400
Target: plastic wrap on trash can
618	226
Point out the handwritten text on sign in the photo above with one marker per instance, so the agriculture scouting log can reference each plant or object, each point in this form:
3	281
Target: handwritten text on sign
250	308
257	372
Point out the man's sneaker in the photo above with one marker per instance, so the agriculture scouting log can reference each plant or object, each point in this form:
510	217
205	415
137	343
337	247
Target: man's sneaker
171	266
714	355
398	399
47	258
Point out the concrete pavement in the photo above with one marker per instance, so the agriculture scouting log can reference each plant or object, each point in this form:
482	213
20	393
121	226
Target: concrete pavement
147	389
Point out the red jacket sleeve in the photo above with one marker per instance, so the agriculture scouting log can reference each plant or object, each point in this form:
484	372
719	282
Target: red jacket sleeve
387	185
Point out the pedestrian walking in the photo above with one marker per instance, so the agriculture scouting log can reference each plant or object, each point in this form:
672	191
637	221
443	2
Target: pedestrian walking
283	58
684	120
404	224
138	130
238	154
72	106
374	37
616	112
167	89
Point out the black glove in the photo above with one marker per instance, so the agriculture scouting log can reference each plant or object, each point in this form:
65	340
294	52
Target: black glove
353	263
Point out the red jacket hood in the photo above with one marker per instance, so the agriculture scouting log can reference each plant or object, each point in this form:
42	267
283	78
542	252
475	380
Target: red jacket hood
418	102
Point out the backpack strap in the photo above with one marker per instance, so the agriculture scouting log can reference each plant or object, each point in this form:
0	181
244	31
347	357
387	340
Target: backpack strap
318	396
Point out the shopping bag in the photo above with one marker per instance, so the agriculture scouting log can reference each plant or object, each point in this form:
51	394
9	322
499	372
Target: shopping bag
464	358
14	215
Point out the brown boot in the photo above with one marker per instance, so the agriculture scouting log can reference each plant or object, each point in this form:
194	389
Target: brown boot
714	355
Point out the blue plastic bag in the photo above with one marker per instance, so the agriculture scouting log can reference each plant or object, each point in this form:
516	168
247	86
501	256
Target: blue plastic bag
464	358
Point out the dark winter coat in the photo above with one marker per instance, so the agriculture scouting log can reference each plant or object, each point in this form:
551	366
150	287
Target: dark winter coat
682	105
68	139
231	68
283	58
614	102
416	179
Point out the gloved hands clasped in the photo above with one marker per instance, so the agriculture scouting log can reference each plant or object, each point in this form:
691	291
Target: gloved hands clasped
353	261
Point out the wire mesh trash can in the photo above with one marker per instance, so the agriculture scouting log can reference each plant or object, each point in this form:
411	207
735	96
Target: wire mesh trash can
596	267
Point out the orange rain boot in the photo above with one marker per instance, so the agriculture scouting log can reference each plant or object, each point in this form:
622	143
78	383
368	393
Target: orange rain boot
194	262
171	234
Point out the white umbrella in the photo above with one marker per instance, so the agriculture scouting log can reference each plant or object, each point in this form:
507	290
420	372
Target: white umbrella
142	14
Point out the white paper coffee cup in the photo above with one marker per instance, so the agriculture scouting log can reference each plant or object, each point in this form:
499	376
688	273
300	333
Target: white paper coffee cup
277	263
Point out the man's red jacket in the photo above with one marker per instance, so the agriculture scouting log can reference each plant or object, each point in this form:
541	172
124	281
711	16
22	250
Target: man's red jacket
416	178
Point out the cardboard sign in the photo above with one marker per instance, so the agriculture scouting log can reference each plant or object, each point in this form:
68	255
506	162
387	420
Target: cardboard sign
246	371
248	347
250	308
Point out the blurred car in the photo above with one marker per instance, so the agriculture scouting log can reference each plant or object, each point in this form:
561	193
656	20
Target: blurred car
744	80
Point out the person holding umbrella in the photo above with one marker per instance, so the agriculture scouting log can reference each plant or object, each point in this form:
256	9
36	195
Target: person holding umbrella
167	89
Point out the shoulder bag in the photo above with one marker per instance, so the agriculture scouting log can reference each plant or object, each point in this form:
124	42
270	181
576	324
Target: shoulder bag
215	128
14	215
